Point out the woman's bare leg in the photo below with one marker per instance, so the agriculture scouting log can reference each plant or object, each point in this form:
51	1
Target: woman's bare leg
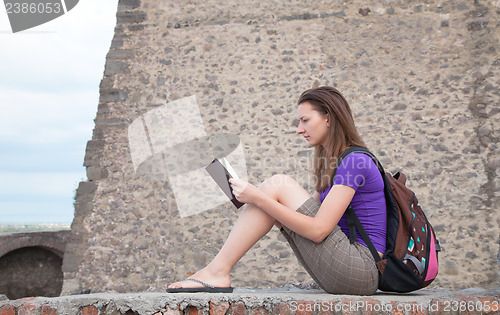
251	226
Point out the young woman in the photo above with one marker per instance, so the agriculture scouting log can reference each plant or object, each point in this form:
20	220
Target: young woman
315	226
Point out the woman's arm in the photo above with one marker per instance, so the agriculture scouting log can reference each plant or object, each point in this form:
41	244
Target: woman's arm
314	228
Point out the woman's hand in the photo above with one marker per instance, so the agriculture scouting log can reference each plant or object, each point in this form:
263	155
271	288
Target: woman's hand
244	191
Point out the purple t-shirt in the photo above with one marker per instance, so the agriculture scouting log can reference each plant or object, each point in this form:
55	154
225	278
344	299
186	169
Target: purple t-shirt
359	172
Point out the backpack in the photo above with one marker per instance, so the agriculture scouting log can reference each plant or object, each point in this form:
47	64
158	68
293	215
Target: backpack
410	261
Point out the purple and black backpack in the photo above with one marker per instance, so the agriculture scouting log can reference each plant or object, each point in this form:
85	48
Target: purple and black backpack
410	261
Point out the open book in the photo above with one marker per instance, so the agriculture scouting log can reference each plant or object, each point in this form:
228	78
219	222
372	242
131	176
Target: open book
221	171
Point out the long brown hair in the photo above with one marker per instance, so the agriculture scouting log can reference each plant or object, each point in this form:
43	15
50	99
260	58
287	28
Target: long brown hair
328	101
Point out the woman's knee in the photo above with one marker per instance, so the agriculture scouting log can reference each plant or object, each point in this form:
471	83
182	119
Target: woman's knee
276	182
285	190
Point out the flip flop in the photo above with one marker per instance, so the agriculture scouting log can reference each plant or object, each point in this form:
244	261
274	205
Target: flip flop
206	288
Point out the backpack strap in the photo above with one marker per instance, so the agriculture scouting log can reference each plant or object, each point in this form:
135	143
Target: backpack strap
351	225
352	219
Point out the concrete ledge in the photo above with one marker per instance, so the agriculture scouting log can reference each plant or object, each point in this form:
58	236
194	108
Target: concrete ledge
272	301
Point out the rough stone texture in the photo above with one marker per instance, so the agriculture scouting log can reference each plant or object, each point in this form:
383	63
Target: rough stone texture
30	263
52	240
30	271
421	76
244	301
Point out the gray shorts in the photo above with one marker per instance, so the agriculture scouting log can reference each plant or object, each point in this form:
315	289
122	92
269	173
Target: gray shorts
335	264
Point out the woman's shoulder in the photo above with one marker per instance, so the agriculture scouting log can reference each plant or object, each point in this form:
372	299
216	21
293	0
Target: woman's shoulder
359	169
357	160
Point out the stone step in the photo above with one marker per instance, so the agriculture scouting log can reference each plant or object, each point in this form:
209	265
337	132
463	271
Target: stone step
270	301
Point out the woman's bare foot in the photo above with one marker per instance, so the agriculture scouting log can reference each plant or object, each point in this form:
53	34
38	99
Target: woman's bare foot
205	275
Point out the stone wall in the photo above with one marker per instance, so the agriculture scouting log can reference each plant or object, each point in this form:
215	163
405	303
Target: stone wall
54	241
422	79
30	263
254	302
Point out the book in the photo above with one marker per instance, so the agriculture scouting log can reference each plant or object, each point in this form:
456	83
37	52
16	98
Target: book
221	171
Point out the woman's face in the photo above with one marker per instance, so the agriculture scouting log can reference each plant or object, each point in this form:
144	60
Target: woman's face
312	125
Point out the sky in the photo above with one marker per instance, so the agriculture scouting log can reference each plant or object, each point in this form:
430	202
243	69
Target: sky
49	92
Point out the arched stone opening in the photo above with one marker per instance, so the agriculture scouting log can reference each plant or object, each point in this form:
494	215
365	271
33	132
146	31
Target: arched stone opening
31	271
